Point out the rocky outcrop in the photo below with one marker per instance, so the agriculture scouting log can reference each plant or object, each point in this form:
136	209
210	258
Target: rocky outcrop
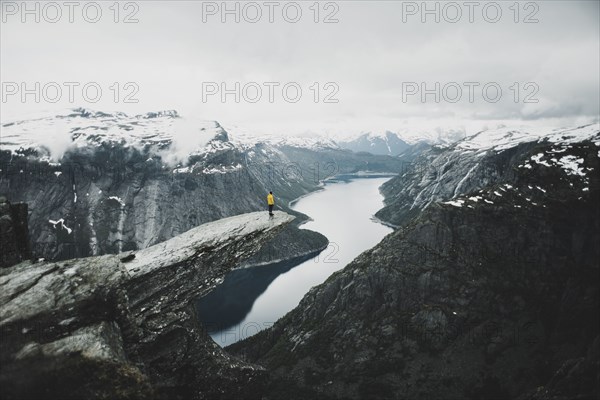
126	183
14	233
122	326
292	241
489	294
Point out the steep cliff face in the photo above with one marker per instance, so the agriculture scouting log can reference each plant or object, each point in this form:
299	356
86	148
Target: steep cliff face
492	294
14	233
128	182
122	326
444	173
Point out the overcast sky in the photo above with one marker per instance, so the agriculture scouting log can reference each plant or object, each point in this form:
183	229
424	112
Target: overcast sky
375	54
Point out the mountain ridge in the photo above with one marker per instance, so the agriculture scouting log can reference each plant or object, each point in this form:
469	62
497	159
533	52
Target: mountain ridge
123	326
487	291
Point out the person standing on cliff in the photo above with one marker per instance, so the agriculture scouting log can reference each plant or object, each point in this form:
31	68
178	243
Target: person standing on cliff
271	203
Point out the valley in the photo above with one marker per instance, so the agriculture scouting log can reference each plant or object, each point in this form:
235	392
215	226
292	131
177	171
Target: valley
254	298
486	287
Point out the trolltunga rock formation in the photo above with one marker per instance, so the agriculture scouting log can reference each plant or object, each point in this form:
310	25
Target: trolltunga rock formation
121	326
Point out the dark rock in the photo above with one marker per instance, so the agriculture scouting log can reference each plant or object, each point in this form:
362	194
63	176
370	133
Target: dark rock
128	257
14	233
115	197
292	240
100	328
468	299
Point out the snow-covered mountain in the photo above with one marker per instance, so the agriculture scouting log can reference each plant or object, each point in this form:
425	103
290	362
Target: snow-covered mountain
247	138
101	183
163	133
51	135
388	143
393	142
507	137
482	292
447	173
400	141
436	136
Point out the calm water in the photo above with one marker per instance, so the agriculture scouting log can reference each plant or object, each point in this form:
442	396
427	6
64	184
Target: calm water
252	299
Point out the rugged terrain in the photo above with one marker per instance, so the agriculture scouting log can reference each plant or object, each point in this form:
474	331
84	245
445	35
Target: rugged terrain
489	288
108	183
387	143
122	326
399	142
446	172
14	238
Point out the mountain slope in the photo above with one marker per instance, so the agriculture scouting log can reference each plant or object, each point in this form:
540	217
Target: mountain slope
122	326
475	162
388	144
124	182
488	294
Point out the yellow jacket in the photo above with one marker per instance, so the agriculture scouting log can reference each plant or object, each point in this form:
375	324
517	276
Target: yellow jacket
270	199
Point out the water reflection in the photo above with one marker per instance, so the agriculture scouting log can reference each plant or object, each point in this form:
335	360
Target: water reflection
252	299
231	301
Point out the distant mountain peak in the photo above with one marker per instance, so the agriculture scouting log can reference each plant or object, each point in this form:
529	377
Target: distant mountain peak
507	137
384	143
51	135
158	114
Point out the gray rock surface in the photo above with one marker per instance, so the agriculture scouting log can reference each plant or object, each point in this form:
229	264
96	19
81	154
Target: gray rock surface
484	159
122	326
488	294
14	233
120	187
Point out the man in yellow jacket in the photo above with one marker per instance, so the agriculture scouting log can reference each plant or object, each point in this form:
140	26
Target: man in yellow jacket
270	202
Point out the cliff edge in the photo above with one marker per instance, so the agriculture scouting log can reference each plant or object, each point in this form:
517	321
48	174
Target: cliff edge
122	326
